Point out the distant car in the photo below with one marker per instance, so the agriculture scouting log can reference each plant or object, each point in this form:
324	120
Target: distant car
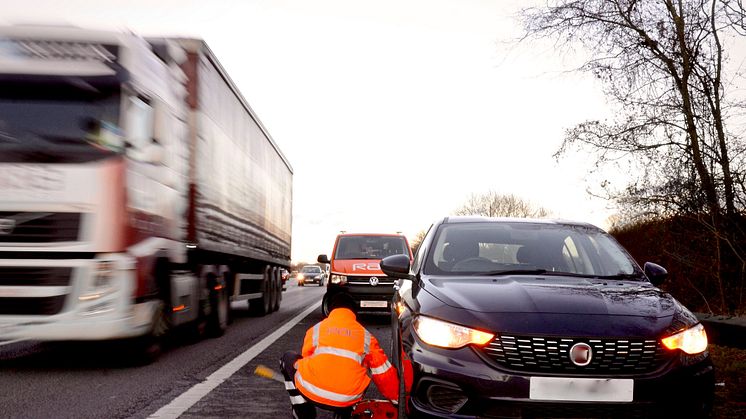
536	318
311	274
285	275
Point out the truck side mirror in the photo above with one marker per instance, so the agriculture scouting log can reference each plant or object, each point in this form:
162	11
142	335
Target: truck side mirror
655	273
396	266
323	259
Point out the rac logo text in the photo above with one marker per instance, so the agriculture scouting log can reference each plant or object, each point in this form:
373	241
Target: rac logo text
373	266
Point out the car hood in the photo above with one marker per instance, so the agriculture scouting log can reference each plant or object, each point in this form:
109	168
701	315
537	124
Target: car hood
357	267
555	305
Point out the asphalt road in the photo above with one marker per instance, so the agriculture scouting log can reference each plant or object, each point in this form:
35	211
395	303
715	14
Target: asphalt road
83	380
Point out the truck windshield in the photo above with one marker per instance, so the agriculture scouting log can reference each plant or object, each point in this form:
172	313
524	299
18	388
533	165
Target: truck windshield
56	122
370	247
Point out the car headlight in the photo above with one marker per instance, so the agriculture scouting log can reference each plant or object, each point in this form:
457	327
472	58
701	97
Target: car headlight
448	335
338	279
692	341
300	277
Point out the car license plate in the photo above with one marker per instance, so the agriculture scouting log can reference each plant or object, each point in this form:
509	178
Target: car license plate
372	304
581	389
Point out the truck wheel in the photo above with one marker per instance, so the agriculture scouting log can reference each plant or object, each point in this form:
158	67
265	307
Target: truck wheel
278	288
261	306
273	293
217	321
147	349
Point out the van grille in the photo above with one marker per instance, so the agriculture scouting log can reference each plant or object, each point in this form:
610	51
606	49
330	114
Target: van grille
551	355
39	227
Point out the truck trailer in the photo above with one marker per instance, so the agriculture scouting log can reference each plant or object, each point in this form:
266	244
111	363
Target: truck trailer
139	191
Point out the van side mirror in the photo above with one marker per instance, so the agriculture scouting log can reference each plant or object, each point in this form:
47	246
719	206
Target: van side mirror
655	273
323	259
396	266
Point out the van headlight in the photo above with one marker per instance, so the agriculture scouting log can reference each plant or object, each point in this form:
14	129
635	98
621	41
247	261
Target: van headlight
338	279
448	335
692	340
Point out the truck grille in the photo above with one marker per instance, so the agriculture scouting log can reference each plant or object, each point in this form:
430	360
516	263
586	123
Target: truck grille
33	277
609	356
38	227
51	277
32	306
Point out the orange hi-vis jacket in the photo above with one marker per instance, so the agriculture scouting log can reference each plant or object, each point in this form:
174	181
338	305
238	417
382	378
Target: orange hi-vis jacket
337	354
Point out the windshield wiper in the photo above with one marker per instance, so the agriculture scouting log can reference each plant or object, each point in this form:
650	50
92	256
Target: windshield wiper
634	276
514	272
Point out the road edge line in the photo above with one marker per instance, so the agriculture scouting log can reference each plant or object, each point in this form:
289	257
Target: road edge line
189	398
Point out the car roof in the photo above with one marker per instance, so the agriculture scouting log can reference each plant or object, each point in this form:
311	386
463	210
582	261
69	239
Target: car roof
371	234
480	219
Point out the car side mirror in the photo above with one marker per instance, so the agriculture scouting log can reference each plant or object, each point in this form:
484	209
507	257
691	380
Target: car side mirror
323	259
396	266
655	273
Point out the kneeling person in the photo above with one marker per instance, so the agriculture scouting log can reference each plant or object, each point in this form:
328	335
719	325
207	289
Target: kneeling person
331	371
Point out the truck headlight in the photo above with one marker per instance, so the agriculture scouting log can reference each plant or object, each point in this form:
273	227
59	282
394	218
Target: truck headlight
692	341
447	335
338	279
102	281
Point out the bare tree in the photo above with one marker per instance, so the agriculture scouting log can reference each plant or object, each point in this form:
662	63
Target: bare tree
417	241
493	204
663	62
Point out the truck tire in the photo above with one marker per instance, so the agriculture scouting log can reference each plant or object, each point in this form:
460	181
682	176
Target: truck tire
217	321
277	281
148	348
262	305
273	291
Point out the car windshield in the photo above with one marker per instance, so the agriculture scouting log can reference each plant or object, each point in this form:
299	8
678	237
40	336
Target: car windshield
311	270
370	247
502	248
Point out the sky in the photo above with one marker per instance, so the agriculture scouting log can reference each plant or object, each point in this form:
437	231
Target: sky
391	112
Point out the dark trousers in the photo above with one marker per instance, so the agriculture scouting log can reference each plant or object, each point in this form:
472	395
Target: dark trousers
304	408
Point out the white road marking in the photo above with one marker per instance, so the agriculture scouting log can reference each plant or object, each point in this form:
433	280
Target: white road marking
190	397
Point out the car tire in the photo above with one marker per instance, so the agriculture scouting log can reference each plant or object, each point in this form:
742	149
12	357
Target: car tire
325	305
397	361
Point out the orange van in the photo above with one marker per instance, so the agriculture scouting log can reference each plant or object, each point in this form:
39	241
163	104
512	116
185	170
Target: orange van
356	269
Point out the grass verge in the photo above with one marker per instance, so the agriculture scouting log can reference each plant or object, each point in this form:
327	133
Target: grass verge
730	373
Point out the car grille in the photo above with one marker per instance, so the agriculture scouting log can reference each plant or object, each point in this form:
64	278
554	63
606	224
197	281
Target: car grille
551	354
33	277
29	227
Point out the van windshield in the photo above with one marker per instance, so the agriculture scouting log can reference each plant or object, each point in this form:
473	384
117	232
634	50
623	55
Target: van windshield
370	247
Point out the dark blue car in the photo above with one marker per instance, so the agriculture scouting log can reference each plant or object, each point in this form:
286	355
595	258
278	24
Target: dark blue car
511	318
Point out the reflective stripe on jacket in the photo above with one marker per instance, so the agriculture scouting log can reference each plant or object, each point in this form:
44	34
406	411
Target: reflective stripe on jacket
337	353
